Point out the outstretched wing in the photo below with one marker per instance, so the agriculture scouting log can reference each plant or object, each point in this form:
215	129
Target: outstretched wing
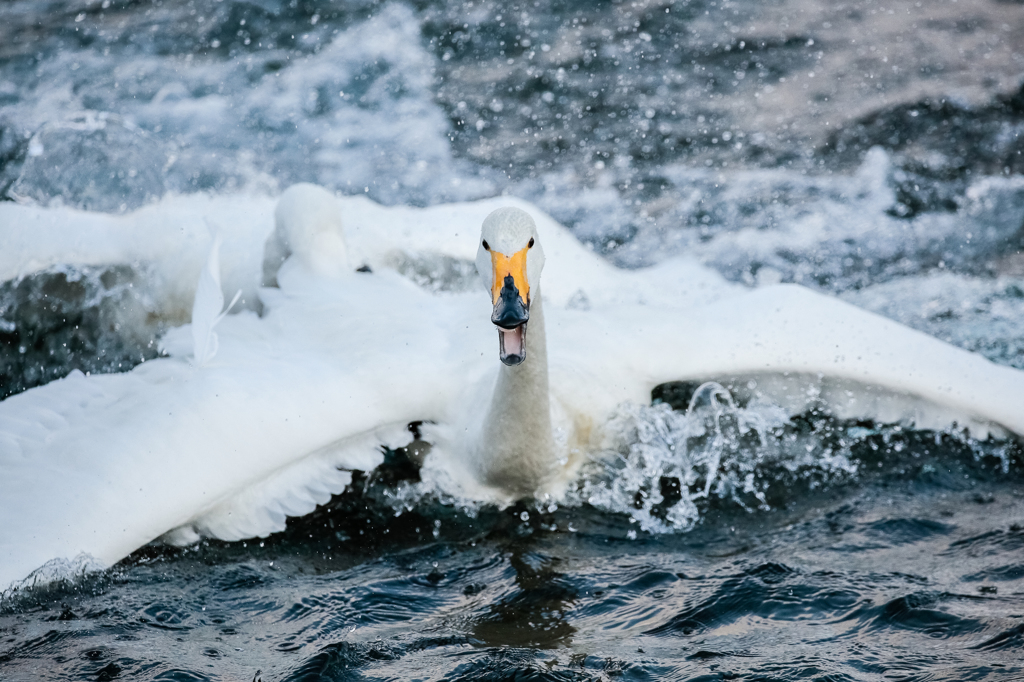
793	346
103	464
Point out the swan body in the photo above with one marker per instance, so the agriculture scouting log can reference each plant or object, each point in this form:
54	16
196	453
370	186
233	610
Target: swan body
341	361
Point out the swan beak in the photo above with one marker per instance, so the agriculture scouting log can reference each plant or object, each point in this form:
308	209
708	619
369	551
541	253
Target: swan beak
511	297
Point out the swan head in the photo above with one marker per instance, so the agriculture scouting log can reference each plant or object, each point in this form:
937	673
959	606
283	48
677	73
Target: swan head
509	259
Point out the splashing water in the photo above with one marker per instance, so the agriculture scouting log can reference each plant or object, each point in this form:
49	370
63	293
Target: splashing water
666	467
664	460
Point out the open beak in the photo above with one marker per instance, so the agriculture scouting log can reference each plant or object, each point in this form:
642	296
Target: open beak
510	293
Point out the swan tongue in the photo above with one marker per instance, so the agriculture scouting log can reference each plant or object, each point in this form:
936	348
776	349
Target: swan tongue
512	345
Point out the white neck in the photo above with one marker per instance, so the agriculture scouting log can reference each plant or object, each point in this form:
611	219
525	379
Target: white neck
517	449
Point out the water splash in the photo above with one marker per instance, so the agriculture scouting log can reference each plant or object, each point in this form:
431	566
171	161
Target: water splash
664	461
56	572
666	467
90	318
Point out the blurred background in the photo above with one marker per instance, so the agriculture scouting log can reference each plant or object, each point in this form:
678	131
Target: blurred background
864	148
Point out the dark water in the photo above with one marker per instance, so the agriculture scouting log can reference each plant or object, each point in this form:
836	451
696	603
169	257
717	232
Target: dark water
870	150
914	574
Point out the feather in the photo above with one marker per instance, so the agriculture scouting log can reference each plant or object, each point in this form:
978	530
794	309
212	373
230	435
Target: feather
208	307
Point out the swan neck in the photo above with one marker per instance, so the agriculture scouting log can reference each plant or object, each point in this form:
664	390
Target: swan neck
518	451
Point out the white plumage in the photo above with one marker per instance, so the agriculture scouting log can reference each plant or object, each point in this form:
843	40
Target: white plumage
342	361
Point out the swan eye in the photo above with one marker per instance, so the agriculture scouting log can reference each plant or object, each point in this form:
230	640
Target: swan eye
530	245
486	247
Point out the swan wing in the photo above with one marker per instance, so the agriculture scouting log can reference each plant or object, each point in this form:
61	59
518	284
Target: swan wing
790	345
101	465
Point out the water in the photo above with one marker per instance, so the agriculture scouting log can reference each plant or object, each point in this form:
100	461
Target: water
870	150
915	576
815	550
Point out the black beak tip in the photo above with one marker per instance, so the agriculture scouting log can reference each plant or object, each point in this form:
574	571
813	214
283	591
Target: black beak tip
511	314
513	360
509	320
510	311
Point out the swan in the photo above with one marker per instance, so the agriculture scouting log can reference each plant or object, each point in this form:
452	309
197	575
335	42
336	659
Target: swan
515	451
785	343
342	360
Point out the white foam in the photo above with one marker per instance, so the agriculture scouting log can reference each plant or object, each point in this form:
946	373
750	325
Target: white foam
170	240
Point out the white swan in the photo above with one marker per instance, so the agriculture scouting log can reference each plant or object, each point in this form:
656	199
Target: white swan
515	447
785	343
343	361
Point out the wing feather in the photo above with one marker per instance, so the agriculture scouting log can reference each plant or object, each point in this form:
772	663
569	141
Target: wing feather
798	348
102	465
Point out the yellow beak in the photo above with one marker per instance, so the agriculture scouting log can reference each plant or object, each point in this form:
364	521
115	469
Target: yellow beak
514	265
